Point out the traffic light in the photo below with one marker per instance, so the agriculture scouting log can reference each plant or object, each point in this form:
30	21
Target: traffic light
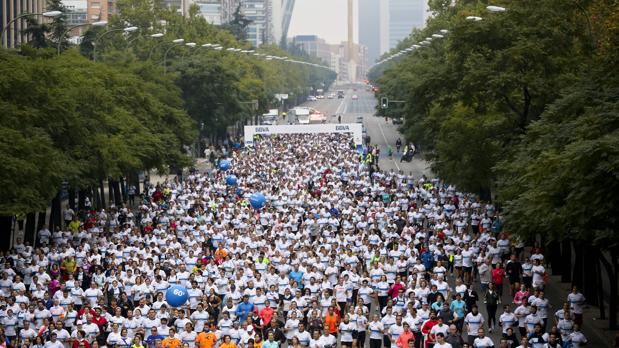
384	102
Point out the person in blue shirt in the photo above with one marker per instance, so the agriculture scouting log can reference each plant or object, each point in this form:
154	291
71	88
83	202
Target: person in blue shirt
428	259
244	309
459	307
151	340
297	276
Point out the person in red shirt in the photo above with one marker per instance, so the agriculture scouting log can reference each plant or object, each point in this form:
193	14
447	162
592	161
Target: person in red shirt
426	327
99	320
80	341
86	310
498	273
266	314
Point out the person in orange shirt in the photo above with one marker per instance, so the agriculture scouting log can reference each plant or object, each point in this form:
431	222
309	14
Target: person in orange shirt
406	338
206	338
220	254
227	342
331	322
172	341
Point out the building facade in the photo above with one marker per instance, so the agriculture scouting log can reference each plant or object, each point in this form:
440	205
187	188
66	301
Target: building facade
9	10
349	66
404	15
382	24
270	19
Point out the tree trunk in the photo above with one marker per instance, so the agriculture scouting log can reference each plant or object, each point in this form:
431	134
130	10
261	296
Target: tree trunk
102	194
577	278
600	288
55	216
590	284
110	190
81	199
566	257
554	254
123	189
71	198
6	225
612	270
41	222
30	227
96	197
115	194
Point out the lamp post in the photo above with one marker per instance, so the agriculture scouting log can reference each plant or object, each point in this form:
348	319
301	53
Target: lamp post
126	30
94	24
175	43
49	14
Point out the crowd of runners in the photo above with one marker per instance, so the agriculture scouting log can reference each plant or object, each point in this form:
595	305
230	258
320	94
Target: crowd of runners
340	256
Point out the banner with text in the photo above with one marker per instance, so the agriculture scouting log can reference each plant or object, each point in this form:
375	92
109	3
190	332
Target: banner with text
356	129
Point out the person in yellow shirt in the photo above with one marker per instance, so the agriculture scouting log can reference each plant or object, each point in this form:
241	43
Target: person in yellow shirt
172	341
74	225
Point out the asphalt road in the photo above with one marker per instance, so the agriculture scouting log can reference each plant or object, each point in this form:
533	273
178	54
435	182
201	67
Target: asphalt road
381	133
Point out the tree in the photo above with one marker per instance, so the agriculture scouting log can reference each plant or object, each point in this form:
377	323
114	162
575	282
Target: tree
238	25
37	32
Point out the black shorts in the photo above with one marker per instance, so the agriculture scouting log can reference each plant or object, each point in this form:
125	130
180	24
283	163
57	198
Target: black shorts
346	344
467	269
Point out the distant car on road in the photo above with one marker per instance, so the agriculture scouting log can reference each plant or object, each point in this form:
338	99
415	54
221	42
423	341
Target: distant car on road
320	97
311	98
331	96
398	120
359	119
355	97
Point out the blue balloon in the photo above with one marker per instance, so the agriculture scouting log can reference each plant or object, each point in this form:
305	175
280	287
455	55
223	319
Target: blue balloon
224	165
231	180
176	295
257	200
239	192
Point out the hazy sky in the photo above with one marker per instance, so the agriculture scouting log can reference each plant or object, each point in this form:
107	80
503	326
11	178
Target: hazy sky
325	18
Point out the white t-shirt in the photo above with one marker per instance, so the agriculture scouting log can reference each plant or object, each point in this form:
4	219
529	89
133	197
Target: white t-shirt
326	341
376	330
474	322
346	331
576	301
444	345
483	342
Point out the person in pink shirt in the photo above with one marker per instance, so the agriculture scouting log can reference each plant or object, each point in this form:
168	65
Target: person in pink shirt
406	338
393	290
521	295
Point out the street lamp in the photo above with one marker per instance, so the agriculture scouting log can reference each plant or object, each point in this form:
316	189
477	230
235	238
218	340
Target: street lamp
495	8
126	30
48	14
94	24
175	43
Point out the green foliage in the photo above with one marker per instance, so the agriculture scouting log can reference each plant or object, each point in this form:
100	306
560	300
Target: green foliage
96	121
67	118
524	102
37	32
238	25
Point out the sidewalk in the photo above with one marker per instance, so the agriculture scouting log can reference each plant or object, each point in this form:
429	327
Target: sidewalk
595	329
